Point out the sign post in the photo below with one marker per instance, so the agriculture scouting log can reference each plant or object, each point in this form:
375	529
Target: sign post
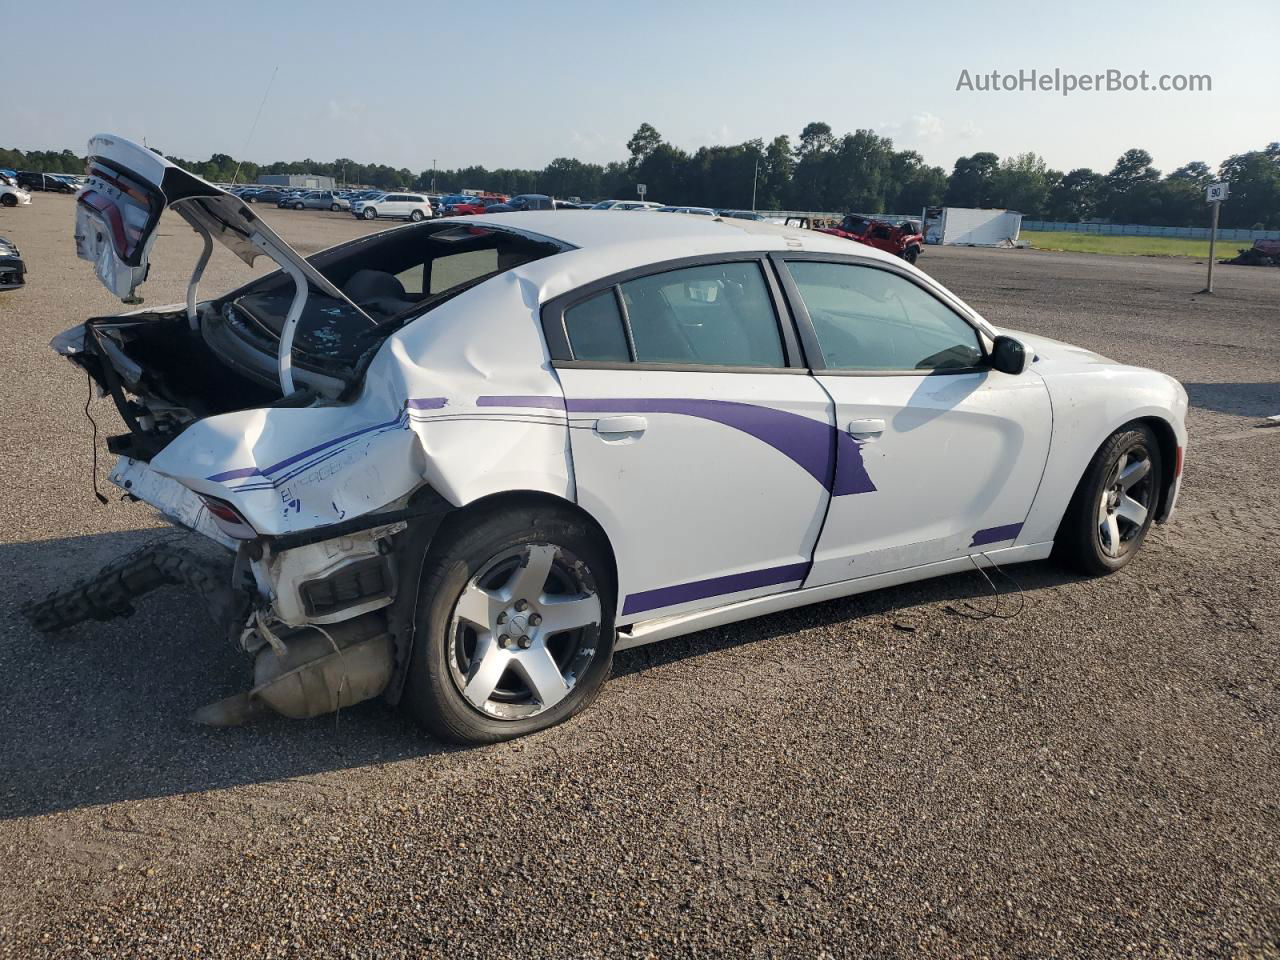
1215	193
642	189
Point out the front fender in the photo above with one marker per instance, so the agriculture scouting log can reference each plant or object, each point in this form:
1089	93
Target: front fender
1090	402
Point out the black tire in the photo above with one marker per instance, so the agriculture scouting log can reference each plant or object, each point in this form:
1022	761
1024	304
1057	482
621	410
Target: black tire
1082	542
297	206
416	216
432	694
912	254
334	208
369	213
9	200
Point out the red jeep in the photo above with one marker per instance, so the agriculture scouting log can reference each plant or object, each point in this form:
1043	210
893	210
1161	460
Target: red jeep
904	240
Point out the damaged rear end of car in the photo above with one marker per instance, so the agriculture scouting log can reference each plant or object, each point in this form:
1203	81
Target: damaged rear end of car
277	422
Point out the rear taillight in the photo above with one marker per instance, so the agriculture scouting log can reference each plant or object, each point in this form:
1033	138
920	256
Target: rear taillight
228	518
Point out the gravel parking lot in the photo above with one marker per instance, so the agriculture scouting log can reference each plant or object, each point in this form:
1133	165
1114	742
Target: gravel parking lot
892	775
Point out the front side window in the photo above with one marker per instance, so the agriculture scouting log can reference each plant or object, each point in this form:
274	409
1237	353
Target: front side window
718	314
871	319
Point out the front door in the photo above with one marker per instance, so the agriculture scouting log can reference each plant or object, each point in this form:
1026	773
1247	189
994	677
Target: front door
938	455
698	441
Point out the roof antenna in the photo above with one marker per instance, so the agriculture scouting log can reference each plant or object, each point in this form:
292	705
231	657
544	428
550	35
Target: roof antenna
236	176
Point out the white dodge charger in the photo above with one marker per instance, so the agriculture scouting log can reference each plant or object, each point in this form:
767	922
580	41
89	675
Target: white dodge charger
459	464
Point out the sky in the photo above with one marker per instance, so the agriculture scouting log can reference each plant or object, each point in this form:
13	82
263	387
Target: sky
517	84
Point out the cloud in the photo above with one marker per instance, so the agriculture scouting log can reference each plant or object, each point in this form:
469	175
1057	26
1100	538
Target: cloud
346	109
969	130
927	126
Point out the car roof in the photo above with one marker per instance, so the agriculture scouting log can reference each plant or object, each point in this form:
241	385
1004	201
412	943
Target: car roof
606	244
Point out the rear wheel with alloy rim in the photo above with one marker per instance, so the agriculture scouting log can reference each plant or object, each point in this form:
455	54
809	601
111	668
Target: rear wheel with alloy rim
416	216
515	627
1115	504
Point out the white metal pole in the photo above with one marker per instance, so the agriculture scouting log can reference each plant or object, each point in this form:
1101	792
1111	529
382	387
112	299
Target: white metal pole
1213	243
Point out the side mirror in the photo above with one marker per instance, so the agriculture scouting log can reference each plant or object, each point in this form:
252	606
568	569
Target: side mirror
1009	356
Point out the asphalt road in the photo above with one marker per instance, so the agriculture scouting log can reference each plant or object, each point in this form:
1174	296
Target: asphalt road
891	775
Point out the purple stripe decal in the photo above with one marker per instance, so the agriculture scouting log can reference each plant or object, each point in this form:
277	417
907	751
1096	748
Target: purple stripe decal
542	403
267	471
807	442
715	587
851	472
427	403
1009	531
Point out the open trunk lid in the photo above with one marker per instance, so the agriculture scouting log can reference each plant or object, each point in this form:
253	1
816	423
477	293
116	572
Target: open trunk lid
118	213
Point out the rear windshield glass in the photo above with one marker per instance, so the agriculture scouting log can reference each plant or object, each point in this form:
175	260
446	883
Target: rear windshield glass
395	277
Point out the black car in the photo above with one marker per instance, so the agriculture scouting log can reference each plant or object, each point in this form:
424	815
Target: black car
265	196
12	270
523	201
43	181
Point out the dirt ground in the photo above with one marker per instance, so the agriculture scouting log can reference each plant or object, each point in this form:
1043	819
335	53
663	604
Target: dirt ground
882	776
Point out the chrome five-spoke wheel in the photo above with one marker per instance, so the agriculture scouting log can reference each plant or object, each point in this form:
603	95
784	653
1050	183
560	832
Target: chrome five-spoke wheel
1115	503
514	624
1125	501
523	631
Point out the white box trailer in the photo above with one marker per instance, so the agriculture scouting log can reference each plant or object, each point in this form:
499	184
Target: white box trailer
972	226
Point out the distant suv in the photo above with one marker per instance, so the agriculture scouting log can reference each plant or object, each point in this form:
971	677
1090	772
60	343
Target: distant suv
321	200
403	206
43	181
524	201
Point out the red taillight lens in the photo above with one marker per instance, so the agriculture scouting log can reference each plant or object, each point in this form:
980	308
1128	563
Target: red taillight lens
228	518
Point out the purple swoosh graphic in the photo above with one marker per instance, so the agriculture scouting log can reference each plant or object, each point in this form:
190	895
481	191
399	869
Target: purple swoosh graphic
714	587
806	442
1009	531
426	403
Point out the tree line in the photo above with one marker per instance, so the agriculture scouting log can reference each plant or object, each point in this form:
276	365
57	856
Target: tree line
859	171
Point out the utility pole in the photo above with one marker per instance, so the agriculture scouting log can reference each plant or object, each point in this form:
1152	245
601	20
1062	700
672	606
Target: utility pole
433	174
755	175
1215	193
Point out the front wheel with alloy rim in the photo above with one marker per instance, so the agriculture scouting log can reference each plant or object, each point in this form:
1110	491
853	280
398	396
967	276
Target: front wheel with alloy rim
9	200
1115	503
514	626
369	213
297	206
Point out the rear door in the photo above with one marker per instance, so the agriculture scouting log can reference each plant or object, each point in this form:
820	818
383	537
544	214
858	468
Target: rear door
938	455
699	440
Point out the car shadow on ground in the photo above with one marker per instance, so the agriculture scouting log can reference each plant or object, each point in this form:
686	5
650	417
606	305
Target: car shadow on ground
1242	399
101	712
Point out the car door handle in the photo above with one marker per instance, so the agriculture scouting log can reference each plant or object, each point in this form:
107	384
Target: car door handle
611	426
865	429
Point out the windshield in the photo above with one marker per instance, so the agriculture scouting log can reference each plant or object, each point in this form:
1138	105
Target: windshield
395	276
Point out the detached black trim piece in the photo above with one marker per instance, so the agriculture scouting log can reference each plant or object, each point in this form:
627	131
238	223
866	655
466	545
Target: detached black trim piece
434	506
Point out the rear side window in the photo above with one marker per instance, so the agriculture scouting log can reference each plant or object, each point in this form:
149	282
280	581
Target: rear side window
595	329
718	314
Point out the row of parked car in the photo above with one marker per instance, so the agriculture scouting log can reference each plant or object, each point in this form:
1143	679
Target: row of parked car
407	205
